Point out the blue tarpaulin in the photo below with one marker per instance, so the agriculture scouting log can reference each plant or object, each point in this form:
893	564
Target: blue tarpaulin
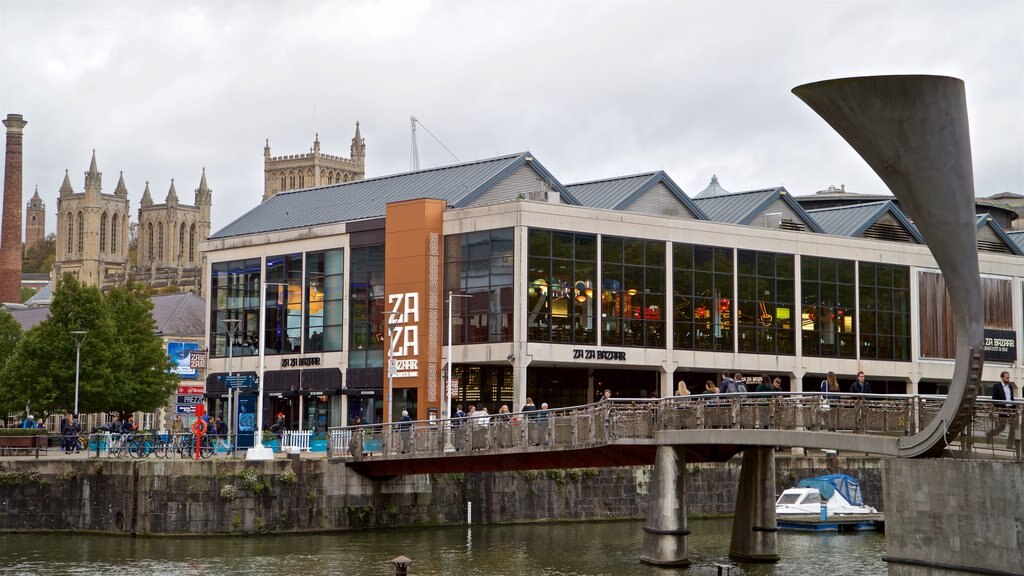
848	487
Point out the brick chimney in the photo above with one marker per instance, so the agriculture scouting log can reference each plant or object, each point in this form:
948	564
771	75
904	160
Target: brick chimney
10	223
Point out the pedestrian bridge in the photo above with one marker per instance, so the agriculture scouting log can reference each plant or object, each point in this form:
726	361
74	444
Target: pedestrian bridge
707	428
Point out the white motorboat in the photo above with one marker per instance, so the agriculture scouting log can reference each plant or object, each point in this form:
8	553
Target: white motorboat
801	508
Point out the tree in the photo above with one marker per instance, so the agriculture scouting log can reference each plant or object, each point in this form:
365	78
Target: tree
42	369
40	256
10	333
141	368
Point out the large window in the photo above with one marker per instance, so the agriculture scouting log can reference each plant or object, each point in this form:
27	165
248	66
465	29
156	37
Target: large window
480	265
828	322
702	298
366	291
325	300
235	294
632	292
562	274
283	305
884	311
765	302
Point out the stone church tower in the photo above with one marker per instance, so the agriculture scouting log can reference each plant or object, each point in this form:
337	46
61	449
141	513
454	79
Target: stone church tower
35	221
314	169
92	230
169	236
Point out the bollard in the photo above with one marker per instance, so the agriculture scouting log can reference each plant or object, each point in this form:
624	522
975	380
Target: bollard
724	569
401	565
469	512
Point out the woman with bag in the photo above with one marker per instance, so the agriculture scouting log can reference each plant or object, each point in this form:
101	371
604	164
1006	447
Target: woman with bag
829	390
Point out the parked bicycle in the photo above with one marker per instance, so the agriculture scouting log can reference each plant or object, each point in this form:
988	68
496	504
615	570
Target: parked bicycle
188	447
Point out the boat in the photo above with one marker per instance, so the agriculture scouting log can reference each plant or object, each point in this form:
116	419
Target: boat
827	503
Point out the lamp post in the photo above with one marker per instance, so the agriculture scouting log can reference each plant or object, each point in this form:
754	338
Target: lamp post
79	336
448	388
259	451
231	326
392	367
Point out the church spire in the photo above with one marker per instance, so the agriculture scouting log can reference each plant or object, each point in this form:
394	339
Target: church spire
121	189
358	147
147	199
172	194
266	150
203	192
93	178
316	143
65	187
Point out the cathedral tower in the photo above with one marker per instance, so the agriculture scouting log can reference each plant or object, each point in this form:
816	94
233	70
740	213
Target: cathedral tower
35	221
298	171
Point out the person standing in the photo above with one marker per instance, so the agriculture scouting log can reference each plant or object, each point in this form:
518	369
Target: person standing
542	423
1004	391
458	427
829	389
860	386
69	434
405	430
726	384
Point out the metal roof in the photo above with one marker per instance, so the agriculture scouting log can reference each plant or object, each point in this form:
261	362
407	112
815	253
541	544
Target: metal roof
743	207
713	189
982	220
854	219
1017	238
176	315
458	185
621	192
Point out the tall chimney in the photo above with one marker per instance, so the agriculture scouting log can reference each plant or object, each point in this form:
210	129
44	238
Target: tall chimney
10	224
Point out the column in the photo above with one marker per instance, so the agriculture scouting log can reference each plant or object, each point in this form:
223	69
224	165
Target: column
753	525
665	531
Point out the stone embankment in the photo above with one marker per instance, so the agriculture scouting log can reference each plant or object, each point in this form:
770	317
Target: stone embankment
296	495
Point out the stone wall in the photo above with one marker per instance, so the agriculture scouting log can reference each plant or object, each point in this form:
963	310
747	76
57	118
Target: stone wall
235	496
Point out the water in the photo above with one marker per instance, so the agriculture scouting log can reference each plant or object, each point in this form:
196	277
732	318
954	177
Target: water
556	549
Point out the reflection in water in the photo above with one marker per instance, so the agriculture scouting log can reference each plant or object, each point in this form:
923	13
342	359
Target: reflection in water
555	549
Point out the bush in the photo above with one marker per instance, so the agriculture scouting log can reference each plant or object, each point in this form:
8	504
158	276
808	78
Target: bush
23	431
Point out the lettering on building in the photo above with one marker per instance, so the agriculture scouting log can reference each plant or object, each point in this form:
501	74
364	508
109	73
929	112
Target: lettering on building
584	354
404	345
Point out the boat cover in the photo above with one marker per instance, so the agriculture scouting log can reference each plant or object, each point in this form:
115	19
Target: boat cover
848	487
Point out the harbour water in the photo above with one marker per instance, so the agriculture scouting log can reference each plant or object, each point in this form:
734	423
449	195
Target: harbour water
550	549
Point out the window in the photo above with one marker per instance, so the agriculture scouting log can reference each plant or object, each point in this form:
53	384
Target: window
192	243
149	241
234	294
160	241
181	240
325	300
884	311
81	233
765	302
366	321
103	233
71	231
702	298
828	321
480	265
113	234
283	305
632	292
562	267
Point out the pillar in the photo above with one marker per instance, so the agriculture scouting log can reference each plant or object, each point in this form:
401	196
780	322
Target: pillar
665	531
754	537
10	228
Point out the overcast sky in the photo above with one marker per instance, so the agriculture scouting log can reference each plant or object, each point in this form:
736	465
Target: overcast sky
593	89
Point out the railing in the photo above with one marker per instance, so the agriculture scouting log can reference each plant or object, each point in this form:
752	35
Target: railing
296	440
993	432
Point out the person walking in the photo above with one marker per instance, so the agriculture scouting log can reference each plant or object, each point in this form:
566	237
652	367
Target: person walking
69	434
860	386
829	389
1003	391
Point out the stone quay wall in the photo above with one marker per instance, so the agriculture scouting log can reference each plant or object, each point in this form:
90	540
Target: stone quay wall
295	495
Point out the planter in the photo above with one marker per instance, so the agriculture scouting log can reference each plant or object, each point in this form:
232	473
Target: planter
273	445
23	442
318	445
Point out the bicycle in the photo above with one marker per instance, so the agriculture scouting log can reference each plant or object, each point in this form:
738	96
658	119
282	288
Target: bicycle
142	445
188	447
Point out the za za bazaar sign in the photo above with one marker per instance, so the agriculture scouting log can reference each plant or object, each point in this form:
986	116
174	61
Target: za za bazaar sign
404	345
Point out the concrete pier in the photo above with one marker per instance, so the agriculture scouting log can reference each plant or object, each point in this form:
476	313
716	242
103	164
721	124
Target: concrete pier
665	532
754	532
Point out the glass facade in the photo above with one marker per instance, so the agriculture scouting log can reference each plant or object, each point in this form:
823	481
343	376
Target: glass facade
325	300
235	294
561	276
828	321
480	265
632	292
884	311
283	305
702	278
366	292
765	302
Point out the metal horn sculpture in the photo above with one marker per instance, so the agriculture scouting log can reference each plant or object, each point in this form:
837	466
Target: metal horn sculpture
913	132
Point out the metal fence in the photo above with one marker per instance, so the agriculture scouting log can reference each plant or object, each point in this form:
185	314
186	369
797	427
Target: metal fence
993	432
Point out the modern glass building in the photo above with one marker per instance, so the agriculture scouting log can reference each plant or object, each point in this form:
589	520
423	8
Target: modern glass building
561	291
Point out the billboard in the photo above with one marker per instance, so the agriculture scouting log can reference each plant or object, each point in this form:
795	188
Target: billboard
180	354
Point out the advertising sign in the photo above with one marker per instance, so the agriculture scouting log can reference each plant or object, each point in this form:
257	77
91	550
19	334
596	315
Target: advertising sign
188	399
186	409
180	354
1000	345
246	420
193	389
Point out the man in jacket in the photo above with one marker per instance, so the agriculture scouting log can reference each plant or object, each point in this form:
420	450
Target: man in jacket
1004	390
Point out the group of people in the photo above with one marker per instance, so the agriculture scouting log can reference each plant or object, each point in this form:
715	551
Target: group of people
480	418
736	383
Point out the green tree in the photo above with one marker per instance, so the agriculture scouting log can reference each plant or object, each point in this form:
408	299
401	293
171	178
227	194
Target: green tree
141	367
42	369
40	256
10	334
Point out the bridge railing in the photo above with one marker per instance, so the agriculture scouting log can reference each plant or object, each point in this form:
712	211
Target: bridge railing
993	432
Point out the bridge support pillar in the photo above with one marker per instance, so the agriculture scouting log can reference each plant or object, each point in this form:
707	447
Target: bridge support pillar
665	531
754	531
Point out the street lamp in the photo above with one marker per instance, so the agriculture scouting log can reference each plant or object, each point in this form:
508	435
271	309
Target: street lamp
448	388
231	325
79	336
259	451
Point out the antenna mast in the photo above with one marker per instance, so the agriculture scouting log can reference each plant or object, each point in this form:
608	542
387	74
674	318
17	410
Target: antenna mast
415	159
